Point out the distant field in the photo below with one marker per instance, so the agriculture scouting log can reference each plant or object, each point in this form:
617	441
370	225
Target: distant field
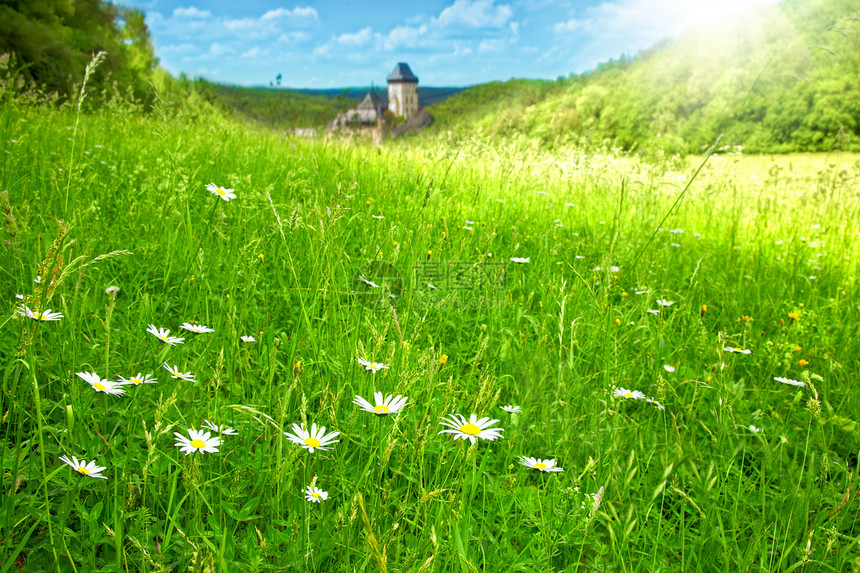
685	349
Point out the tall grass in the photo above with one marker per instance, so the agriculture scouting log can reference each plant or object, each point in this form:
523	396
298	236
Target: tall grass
688	488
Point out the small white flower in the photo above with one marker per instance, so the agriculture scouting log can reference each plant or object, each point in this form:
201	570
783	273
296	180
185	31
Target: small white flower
466	227
201	442
138	380
315	494
176	373
668	368
738	350
542	465
371	284
630	394
656	403
754	429
222	192
112	290
248	339
40	316
431	287
676	231
99	385
84	468
511	409
378	216
372	366
789	381
196	327
316	439
520	259
471	429
164	335
614	269
38	279
223	430
654	311
664	302
391	404
19	296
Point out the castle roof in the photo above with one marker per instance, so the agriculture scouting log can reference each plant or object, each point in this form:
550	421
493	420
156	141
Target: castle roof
371	101
402	73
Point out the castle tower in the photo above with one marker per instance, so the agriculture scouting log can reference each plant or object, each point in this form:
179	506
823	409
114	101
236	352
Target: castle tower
402	91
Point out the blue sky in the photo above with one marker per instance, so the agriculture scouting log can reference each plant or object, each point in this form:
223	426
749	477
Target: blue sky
340	43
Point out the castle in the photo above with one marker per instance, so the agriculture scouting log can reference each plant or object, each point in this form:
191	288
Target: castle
402	91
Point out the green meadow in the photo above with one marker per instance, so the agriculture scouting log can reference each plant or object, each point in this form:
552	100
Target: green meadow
641	341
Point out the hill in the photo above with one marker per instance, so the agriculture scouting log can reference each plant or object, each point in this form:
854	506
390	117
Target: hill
783	78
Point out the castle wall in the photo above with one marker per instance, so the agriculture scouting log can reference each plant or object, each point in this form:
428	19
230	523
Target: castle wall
403	98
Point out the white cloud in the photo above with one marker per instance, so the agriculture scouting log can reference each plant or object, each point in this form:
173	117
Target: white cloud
191	12
477	14
254	52
217	49
298	13
359	38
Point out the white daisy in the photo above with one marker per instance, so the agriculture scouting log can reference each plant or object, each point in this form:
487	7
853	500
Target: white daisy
738	350
391	404
112	290
520	259
789	381
222	192
372	366
248	339
38	279
664	302
84	468
625	393
316	439
378	216
656	403
138	380
176	373
511	409
164	335
196	327
668	368
754	429
315	494
654	311
41	316
471	429
223	430
99	385
538	464
201	442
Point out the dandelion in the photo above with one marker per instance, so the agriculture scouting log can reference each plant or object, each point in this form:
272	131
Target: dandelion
138	380
84	468
372	366
632	394
248	339
664	302
542	465
795	315
40	316
471	429
511	409
737	350
201	442
789	381
443	360
222	192
668	368
164	335
196	327
99	385
520	259
316	439
175	373
391	404
223	430
315	494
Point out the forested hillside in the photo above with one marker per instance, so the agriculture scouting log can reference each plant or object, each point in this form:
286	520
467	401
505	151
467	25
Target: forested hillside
784	78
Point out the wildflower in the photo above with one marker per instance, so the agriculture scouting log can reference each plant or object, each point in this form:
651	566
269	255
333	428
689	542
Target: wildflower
99	385
431	287
625	393
248	339
802	362
617	322
466	227
176	373
656	403
654	311
754	429
201	442
112	290
40	316
542	465
668	368
676	231
794	315
443	360
371	284
789	381
378	216
391	404
223	430
260	256
704	310
738	350
624	294
222	192
372	366
664	302
315	494
472	429
163	335
520	260
38	279
316	439
138	380
511	409
84	468
745	318
19	296
196	327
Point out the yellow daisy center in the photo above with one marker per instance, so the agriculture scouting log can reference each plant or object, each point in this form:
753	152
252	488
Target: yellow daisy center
628	394
470	429
374	366
135	380
220	191
381	409
83	470
199	444
38	316
539	466
312	442
164	338
316	495
99	386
